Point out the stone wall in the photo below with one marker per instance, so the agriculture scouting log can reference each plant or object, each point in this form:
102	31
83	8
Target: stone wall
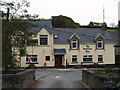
19	80
95	81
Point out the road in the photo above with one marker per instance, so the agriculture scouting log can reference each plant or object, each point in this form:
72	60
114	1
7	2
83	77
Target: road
61	79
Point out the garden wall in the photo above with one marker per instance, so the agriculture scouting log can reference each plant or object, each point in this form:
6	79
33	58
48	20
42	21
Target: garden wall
19	80
95	81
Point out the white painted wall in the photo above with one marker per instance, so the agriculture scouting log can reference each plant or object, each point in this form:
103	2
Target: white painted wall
42	51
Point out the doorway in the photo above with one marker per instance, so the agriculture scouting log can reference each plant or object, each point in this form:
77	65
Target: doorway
58	60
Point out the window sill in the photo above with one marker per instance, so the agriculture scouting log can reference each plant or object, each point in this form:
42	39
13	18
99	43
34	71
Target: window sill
43	45
100	62
74	49
31	62
74	62
100	49
87	62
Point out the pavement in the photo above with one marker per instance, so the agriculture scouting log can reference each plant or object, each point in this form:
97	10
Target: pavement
57	78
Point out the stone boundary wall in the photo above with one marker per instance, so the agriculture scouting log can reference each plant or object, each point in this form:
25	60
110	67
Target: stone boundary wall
19	80
95	81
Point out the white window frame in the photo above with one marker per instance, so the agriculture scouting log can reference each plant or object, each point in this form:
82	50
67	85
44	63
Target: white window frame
74	41
40	40
100	57
87	56
74	58
31	56
101	44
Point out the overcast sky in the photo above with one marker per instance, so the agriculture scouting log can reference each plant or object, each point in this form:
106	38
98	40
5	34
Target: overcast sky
81	11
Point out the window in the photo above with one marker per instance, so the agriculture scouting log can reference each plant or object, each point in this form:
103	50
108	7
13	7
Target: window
100	58
20	40
31	59
87	58
43	39
74	44
74	58
47	58
99	44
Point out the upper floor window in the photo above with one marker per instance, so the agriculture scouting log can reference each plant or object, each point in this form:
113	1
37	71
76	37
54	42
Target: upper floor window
74	44
43	40
20	40
99	44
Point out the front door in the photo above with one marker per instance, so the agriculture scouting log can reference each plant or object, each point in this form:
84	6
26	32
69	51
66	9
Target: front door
58	60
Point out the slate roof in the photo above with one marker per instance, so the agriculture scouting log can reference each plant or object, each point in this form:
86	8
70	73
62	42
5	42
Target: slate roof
39	24
86	35
114	36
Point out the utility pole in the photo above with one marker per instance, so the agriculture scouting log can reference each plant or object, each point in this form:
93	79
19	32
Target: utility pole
103	14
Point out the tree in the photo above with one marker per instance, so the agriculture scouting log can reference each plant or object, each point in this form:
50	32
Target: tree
104	26
91	24
11	28
112	24
64	22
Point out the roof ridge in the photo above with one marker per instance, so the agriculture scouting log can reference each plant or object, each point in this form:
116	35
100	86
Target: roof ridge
35	19
80	28
61	30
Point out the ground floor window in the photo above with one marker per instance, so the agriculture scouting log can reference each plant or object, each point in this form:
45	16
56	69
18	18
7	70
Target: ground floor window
47	58
74	58
87	58
100	58
31	59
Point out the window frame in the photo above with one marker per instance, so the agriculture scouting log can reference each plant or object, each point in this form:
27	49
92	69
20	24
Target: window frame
88	57
76	42
100	61
101	42
43	37
32	57
75	57
46	58
20	40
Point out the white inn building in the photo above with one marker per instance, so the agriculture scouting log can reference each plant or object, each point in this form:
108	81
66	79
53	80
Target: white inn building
58	47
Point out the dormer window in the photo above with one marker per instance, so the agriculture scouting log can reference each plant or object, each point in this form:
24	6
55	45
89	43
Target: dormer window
43	40
74	44
99	44
100	41
21	40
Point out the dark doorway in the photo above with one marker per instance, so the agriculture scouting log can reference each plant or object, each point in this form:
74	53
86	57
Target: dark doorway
58	60
117	60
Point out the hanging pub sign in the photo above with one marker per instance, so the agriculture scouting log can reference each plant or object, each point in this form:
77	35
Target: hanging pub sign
87	48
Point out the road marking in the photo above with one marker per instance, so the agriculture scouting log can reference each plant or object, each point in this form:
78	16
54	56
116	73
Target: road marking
57	76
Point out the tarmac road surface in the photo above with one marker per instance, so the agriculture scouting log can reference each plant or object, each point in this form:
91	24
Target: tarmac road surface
60	79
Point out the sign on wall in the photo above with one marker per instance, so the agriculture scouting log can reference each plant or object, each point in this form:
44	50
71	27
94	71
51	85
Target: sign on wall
87	48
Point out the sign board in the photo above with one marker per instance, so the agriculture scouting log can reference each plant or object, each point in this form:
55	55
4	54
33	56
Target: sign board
87	48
